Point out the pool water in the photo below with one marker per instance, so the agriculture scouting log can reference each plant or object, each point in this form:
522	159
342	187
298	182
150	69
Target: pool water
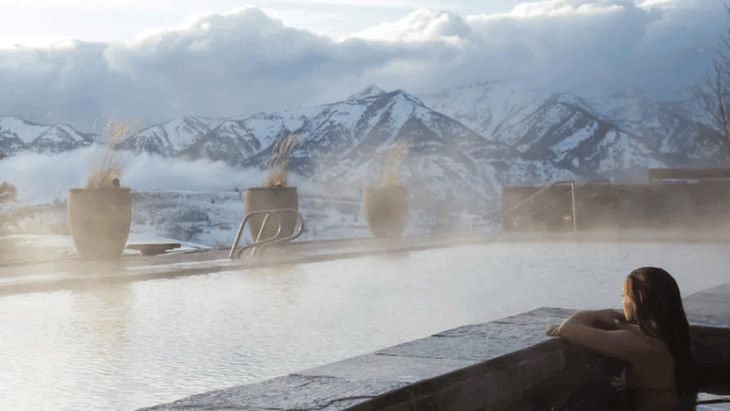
130	345
608	396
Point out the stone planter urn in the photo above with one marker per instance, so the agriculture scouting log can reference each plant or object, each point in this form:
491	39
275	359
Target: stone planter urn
386	210
99	221
271	198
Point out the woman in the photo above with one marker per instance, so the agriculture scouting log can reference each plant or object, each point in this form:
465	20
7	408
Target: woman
651	337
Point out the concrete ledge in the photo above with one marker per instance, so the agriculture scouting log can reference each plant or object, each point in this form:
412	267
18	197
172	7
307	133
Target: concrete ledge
709	307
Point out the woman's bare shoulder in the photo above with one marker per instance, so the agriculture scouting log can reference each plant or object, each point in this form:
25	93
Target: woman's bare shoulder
655	345
621	344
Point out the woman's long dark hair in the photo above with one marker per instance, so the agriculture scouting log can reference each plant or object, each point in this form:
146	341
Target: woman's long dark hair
659	312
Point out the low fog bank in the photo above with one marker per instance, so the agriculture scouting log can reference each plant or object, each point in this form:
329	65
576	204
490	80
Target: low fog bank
42	178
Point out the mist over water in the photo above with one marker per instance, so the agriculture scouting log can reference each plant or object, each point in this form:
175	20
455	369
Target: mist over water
129	345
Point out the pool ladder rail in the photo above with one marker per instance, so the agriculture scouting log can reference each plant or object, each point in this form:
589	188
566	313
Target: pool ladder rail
259	244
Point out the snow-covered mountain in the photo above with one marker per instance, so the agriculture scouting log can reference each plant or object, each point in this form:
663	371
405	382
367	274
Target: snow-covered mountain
487	105
345	146
171	137
235	141
17	135
603	138
668	128
467	142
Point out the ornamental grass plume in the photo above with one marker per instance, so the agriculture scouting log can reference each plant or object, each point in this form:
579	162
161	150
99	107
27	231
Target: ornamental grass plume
106	166
277	165
394	162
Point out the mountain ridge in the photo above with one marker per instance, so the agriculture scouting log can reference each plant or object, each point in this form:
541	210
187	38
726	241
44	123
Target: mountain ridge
466	142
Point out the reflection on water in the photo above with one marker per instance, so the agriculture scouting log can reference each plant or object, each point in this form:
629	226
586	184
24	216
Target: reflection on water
128	345
104	315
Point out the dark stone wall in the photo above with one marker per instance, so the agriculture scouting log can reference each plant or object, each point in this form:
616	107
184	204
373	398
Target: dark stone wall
703	205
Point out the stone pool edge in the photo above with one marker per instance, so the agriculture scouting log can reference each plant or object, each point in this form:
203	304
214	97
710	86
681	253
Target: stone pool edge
503	364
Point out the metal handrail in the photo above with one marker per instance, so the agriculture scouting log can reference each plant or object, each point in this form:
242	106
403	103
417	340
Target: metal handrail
502	213
528	215
542	190
259	244
546	206
511	209
608	183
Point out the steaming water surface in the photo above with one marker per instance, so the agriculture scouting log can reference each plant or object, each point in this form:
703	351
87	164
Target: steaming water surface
125	346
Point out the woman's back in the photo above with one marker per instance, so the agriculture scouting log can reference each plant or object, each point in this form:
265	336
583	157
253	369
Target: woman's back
654	369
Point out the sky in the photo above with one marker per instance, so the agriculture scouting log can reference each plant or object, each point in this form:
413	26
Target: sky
66	61
40	22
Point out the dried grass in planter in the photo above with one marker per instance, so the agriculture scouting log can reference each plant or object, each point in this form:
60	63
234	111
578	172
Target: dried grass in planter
276	173
107	167
393	163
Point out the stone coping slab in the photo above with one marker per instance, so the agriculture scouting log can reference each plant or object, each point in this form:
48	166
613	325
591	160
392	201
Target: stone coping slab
379	366
480	342
290	392
723	289
454	369
710	307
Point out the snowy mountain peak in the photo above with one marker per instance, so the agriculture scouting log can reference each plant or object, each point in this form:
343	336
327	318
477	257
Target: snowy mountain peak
26	132
571	100
18	135
408	97
170	137
369	91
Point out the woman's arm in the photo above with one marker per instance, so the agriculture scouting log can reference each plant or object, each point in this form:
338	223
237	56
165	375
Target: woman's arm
604	319
614	342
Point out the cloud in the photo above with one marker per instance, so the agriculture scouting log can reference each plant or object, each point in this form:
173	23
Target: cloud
246	61
420	26
559	8
648	4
